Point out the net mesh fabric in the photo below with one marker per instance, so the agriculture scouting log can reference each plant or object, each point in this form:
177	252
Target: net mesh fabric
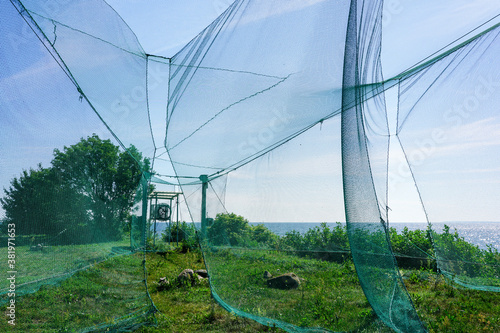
280	111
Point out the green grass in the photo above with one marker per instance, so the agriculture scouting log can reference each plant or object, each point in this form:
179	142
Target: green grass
56	260
190	308
445	307
97	296
329	296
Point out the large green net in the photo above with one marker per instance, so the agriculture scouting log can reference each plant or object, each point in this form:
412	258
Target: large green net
361	112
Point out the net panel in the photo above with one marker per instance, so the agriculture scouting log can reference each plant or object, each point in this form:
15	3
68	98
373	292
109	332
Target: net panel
279	93
366	221
369	133
458	90
74	35
72	194
324	293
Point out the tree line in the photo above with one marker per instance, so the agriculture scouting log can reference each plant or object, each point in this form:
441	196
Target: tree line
86	195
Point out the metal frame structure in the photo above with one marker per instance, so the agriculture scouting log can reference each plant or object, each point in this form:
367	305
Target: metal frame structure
157	196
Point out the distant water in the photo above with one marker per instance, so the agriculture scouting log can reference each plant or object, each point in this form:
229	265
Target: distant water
478	233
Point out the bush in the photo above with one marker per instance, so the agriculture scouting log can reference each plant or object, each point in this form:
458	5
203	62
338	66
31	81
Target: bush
185	233
459	257
319	242
262	235
229	229
413	248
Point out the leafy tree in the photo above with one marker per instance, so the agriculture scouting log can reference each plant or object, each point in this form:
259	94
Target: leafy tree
96	169
38	202
261	234
234	230
229	229
88	191
412	243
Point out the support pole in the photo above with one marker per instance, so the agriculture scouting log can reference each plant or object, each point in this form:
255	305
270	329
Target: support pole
177	218
155	212
144	211
204	181
170	223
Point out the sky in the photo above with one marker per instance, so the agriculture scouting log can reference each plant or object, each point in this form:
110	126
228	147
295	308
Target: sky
412	31
163	27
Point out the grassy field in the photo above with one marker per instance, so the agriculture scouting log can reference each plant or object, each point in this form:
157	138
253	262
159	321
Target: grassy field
442	307
94	297
190	308
57	260
329	296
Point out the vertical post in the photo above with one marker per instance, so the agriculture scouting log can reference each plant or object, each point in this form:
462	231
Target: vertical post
144	211
150	217
156	212
170	222
204	182
177	218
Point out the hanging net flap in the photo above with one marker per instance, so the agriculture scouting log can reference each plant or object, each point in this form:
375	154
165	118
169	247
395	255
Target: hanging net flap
93	46
72	192
249	105
459	90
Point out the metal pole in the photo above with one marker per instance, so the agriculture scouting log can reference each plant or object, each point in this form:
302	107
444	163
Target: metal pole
150	217
156	211
177	218
170	221
144	210
204	180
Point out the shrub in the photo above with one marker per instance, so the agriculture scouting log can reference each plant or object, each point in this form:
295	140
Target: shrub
184	233
230	229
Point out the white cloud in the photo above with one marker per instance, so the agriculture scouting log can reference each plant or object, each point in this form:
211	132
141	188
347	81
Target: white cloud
460	140
44	67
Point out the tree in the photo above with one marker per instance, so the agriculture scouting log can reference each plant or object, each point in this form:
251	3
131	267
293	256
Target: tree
96	169
229	229
88	191
39	203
